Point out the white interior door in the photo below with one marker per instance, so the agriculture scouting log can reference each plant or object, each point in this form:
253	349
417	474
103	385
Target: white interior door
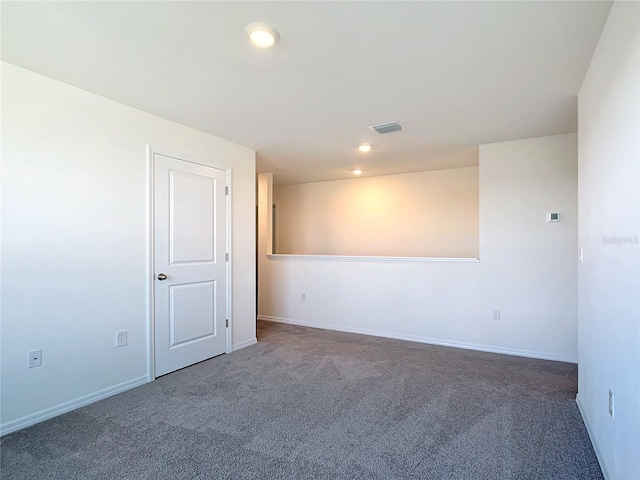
189	264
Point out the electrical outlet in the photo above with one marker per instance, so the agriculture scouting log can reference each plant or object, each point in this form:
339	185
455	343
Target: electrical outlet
121	338
495	314
303	296
35	358
611	403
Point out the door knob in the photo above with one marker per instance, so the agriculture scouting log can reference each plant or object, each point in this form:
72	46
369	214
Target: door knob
162	276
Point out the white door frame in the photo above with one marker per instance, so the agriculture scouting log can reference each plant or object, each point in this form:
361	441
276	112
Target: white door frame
151	292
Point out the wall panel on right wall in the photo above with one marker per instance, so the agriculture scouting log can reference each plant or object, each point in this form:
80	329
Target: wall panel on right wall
609	278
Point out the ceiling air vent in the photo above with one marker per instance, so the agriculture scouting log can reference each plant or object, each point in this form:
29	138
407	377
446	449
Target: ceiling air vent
387	127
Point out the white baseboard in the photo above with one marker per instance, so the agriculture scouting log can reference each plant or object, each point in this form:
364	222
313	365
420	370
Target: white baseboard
585	419
431	341
246	343
65	407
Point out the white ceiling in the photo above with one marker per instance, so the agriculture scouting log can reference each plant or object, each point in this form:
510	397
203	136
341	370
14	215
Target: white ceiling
454	74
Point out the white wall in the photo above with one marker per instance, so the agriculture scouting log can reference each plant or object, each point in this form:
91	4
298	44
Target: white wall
609	279
527	268
74	241
423	214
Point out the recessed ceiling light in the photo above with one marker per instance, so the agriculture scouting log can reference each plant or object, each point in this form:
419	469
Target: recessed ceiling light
365	147
262	35
357	171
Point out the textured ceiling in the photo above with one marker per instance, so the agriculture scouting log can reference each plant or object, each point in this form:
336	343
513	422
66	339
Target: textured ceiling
454	74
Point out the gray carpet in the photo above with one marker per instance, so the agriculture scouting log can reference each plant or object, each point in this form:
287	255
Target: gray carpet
313	404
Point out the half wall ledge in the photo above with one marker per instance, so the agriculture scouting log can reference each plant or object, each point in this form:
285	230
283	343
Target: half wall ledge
351	258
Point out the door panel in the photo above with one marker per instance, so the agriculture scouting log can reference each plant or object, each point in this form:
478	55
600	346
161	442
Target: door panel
190	247
191	231
195	301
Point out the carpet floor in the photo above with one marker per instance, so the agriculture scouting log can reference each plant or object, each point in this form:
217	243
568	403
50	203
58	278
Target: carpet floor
313	404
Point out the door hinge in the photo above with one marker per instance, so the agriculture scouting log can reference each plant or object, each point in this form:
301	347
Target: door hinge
226	256
226	190
227	323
